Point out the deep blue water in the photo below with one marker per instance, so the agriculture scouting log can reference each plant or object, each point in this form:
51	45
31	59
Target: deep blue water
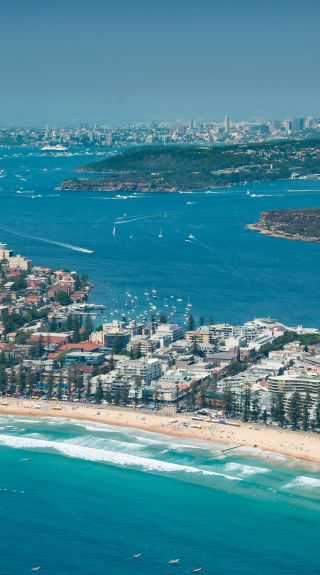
227	271
82	498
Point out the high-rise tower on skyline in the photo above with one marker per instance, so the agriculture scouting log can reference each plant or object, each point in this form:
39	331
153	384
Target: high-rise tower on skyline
227	123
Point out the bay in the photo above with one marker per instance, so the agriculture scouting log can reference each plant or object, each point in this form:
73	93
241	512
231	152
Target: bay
227	272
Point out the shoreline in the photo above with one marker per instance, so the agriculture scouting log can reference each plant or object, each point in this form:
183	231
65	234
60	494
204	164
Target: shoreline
299	445
282	235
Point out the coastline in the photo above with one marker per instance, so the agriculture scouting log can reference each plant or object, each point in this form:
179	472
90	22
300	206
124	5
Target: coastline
302	446
282	235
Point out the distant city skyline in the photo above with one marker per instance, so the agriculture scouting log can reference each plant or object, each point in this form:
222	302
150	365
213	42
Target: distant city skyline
227	122
107	62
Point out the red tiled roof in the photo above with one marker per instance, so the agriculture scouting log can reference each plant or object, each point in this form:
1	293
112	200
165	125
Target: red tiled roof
53	355
82	346
85	368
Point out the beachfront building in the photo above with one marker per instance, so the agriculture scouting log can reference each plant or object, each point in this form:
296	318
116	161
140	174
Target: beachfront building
146	370
290	382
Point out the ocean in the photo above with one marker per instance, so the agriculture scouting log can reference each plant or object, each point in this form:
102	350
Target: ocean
206	257
81	498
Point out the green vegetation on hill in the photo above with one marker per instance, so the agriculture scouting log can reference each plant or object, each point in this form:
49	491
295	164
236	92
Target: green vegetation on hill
301	223
174	168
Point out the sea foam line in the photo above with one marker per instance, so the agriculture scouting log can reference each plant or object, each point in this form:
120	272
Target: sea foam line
106	456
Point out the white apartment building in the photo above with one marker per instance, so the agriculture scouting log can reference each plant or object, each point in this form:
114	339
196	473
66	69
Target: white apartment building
145	369
169	331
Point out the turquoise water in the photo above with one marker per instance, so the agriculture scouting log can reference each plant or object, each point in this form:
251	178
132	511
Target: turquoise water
227	271
82	498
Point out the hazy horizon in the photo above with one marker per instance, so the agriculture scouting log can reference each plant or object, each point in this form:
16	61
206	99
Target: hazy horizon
131	62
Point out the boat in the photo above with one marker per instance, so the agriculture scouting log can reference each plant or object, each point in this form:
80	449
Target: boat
114	231
174	561
160	234
191	237
137	556
57	148
198	570
35	569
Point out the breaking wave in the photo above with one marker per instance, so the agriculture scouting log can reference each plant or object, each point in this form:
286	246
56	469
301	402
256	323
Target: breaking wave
245	470
107	456
304	482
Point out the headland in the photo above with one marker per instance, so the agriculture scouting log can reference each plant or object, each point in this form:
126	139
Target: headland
172	168
293	224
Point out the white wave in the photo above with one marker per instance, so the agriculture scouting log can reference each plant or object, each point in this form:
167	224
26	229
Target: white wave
27	420
245	470
104	428
106	456
101	442
304	482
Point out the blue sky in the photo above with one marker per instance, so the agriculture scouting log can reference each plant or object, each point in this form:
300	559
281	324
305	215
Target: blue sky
138	60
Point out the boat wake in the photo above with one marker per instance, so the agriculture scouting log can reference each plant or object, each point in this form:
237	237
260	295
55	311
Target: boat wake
48	241
129	219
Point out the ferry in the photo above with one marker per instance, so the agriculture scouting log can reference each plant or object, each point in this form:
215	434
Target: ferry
57	148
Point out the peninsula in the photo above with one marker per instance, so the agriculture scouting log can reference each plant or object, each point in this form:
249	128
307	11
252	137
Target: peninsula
294	224
176	168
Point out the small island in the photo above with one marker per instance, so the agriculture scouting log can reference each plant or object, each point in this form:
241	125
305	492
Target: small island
174	168
293	224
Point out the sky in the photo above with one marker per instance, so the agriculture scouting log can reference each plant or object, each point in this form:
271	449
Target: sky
116	62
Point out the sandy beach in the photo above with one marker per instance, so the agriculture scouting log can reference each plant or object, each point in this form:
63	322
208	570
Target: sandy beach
299	445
